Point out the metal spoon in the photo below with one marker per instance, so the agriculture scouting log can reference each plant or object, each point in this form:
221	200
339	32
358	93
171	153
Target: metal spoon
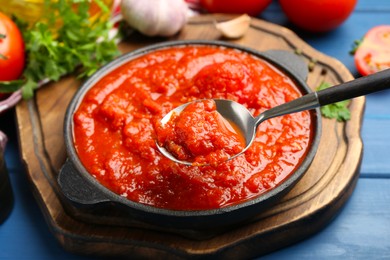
239	115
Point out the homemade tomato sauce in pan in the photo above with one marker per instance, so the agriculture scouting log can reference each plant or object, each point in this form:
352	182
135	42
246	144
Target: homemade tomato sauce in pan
115	128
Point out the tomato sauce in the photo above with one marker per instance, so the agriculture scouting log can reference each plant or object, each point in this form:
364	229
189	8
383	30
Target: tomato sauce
115	128
200	135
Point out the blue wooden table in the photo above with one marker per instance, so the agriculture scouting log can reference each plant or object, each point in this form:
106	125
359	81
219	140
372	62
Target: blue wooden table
360	231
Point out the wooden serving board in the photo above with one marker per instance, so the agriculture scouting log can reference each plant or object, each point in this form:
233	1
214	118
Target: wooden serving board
312	203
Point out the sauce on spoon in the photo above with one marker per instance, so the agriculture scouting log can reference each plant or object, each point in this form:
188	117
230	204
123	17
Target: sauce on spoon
199	135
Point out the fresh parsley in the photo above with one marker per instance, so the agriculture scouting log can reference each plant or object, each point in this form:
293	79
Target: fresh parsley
65	42
337	110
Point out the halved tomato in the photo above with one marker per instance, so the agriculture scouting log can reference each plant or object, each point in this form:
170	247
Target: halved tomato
373	53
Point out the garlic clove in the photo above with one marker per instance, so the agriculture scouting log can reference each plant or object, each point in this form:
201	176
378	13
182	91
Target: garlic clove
234	28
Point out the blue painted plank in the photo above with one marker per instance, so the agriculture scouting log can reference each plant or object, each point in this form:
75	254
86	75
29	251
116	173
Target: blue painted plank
360	231
373	6
376	140
361	6
378	105
7	126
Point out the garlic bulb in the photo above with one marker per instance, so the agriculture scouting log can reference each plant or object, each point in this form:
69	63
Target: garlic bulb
155	17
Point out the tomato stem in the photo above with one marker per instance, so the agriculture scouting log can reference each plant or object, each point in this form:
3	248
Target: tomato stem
2	36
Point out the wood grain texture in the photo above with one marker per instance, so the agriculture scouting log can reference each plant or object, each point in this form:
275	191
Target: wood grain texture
313	202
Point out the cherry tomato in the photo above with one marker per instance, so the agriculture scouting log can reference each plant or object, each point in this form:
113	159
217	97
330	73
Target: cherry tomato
11	50
317	15
373	53
250	7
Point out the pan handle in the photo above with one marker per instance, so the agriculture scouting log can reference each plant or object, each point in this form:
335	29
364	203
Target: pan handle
78	190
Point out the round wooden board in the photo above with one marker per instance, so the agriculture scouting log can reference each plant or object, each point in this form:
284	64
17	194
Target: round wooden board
313	202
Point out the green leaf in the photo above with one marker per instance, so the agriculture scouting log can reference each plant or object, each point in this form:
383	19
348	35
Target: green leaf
28	89
102	6
355	46
10	86
323	85
337	110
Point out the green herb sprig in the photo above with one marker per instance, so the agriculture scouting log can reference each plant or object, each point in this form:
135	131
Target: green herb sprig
65	42
337	110
356	44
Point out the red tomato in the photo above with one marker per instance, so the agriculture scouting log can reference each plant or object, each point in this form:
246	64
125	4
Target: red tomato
250	7
373	53
317	15
11	50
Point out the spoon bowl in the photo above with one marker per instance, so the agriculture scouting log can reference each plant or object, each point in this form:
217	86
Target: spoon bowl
228	110
247	124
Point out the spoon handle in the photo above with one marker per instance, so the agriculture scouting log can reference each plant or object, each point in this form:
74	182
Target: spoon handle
355	88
